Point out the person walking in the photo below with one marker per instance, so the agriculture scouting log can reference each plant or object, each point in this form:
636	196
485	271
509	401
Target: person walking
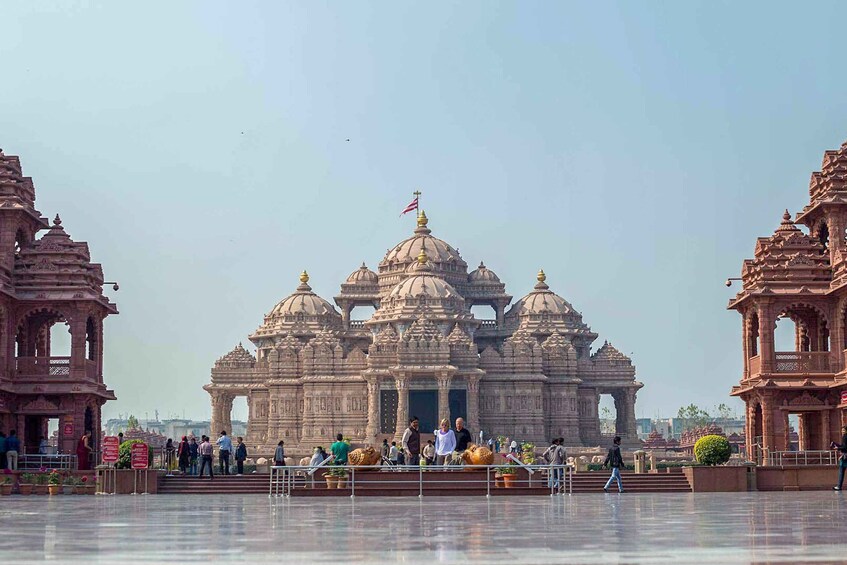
169	456
340	449
83	452
428	452
842	460
2	450
393	453
463	436
13	447
183	455
279	454
193	455
225	445
384	450
240	456
411	442
205	451
445	443
614	460
317	457
555	456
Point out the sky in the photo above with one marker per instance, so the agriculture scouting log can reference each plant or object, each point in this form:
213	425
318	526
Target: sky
632	150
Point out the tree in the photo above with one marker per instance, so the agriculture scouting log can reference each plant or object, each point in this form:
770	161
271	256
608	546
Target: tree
725	412
693	416
132	422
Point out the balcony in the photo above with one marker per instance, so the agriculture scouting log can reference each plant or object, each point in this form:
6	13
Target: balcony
755	365
51	368
801	362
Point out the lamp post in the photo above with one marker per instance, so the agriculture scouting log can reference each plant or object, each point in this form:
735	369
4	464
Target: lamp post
727	283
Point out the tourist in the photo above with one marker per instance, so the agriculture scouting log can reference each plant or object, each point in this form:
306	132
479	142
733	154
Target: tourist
225	445
240	456
317	457
2	450
324	454
120	438
445	443
205	451
555	456
83	452
384	451
411	443
429	452
842	460
13	446
43	446
169	456
496	445
463	436
279	454
192	453
513	447
183	455
615	461
339	450
393	454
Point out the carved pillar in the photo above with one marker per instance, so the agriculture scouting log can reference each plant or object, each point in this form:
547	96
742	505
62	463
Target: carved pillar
501	310
215	422
749	429
443	397
630	425
802	432
373	409
766	327
473	405
746	333
77	368
825	438
786	431
226	415
767	425
402	385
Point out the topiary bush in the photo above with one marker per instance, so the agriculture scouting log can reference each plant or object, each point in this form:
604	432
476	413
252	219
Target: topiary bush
712	450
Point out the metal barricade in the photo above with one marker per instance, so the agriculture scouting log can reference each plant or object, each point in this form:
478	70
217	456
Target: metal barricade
808	457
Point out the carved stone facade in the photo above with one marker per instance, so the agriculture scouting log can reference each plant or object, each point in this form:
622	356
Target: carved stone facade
802	277
527	373
46	281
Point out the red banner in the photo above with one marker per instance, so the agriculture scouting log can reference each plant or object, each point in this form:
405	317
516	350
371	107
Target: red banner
111	449
844	397
139	457
68	429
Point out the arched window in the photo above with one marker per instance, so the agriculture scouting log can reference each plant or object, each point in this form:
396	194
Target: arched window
753	335
823	235
91	350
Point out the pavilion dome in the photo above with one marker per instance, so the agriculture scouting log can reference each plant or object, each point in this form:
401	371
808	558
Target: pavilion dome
238	357
483	274
541	300
304	302
423	283
362	276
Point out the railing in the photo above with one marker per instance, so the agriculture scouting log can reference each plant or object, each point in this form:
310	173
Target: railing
49	461
755	365
488	324
58	367
781	458
558	479
357	324
802	362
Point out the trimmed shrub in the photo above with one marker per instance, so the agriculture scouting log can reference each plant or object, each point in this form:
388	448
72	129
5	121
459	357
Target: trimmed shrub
712	450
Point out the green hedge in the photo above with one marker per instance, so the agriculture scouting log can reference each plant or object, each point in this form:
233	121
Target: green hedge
712	450
124	454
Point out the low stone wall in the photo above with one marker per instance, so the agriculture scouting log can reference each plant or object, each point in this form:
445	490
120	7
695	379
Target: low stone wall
719	479
797	477
125	481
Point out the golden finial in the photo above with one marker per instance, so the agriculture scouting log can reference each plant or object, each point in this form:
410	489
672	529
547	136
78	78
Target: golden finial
541	276
304	277
422	220
422	257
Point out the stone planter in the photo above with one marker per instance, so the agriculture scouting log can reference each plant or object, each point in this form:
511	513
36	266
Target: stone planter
509	480
5	490
39	489
498	480
67	489
54	489
25	489
90	489
331	482
342	482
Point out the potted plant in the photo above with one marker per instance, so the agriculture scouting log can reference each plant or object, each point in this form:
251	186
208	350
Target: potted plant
88	484
25	483
340	474
68	484
6	486
54	482
40	486
331	479
508	474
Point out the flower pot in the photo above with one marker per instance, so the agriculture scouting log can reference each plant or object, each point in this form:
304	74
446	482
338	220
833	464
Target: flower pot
5	490
54	489
79	489
498	480
342	482
67	489
90	489
25	489
331	482
509	480
39	489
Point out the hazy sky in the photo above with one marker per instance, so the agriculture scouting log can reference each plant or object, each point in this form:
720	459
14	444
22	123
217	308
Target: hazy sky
634	151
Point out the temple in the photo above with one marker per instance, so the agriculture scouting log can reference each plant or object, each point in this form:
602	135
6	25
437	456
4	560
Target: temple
798	277
47	282
527	372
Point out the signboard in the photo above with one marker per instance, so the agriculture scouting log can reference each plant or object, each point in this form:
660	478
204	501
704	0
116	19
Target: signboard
844	397
111	449
68	429
138	456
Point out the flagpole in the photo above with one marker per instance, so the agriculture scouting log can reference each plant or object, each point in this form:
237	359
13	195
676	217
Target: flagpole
417	194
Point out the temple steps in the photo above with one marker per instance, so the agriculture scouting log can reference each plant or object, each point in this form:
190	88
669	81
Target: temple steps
405	484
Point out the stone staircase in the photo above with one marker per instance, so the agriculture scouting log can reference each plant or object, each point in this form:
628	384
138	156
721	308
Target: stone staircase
466	483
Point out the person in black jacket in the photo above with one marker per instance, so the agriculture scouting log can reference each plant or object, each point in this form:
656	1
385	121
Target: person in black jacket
615	461
842	461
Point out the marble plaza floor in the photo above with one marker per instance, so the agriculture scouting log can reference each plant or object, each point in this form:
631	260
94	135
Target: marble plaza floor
589	528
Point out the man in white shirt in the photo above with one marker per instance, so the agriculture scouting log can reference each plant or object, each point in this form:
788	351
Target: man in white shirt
225	445
445	443
393	453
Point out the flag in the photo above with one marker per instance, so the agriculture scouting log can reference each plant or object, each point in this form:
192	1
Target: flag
413	205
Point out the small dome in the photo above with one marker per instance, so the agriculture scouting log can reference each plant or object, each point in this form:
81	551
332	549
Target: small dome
422	283
483	274
541	300
362	275
238	357
304	302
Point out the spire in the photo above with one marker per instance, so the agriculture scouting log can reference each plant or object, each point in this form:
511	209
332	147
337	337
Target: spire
786	225
304	282
541	277
422	257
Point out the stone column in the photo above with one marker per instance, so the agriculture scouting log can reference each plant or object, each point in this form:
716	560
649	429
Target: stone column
749	429
226	415
215	422
767	426
443	397
825	436
630	425
402	385
786	432
766	327
473	405
372	429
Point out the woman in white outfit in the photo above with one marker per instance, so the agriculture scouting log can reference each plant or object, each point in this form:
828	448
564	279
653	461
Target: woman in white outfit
445	443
